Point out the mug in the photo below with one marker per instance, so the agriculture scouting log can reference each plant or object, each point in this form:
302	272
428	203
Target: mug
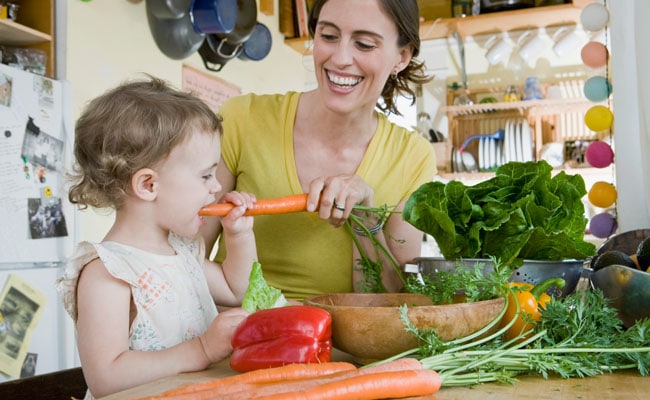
531	46
565	41
498	49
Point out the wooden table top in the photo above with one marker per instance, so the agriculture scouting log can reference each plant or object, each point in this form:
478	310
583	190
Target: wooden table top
628	385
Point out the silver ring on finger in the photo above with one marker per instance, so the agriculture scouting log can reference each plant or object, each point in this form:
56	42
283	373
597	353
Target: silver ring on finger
339	207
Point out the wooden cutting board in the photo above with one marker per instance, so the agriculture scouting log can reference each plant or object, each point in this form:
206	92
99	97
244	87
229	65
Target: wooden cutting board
628	385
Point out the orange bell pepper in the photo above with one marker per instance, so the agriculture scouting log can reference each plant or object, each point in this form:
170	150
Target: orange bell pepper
531	300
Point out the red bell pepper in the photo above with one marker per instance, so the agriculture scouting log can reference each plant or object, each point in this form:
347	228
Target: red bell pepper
283	335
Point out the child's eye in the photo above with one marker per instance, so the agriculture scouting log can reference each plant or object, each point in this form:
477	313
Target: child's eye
207	177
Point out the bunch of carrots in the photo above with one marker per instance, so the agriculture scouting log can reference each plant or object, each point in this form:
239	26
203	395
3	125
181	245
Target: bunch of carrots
404	377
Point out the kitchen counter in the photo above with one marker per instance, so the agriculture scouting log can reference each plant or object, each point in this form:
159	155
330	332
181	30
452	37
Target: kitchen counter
627	385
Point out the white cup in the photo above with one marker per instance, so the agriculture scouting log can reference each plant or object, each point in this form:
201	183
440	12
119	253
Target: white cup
531	46
566	41
498	49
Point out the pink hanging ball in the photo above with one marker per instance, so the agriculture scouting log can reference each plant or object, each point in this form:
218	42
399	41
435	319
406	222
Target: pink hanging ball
594	54
599	154
603	225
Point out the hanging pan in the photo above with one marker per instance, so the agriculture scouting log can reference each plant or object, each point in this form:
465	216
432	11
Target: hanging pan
175	37
218	49
168	9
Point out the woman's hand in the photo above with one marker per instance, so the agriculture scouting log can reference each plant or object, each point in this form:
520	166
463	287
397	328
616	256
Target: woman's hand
337	195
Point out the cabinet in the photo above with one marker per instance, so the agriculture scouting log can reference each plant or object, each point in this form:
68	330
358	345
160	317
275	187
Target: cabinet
34	28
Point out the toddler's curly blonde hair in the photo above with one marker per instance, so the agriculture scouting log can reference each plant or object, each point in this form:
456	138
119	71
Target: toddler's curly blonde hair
130	127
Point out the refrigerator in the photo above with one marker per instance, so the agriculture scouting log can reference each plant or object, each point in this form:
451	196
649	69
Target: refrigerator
36	224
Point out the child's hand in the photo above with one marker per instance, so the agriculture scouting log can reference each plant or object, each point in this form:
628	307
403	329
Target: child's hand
216	340
235	222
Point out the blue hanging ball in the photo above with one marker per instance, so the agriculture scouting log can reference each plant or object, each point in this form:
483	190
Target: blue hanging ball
597	89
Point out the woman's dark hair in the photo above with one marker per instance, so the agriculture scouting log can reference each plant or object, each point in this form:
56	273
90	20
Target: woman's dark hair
406	16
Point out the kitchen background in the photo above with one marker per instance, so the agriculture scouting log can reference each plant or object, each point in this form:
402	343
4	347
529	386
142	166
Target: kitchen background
99	43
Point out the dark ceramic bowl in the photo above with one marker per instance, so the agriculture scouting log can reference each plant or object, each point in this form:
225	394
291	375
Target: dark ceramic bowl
627	288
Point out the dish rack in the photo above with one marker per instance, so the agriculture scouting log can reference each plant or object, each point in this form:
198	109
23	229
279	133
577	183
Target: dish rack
557	121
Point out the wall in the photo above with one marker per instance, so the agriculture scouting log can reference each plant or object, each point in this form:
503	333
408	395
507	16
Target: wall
630	61
109	41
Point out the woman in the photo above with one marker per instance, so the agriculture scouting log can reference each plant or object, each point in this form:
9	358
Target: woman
332	143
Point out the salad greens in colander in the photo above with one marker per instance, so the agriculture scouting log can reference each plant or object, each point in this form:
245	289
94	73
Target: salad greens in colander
523	212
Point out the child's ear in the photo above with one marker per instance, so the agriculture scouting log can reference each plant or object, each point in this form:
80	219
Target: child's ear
144	185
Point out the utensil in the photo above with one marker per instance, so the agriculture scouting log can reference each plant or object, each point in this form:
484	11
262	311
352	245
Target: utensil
498	135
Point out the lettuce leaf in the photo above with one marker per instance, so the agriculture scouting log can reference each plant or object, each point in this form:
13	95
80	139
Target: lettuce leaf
523	212
259	294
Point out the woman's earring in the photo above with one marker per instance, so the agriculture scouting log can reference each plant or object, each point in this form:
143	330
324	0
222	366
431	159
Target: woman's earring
394	75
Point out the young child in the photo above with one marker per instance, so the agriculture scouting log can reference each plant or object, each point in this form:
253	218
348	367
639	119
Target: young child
143	299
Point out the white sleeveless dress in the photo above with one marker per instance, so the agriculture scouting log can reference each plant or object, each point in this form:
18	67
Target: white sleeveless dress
170	293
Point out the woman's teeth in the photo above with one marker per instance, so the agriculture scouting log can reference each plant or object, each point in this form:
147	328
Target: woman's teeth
343	81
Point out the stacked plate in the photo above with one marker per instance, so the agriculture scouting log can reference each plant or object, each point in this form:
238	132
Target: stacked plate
518	141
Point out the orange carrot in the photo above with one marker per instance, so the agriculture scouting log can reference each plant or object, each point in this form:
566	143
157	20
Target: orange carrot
280	205
252	390
380	385
267	375
299	385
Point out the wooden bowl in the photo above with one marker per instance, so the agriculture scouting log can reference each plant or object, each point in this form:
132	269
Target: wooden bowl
368	326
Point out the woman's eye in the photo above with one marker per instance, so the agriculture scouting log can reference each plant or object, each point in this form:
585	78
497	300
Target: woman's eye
328	37
207	177
365	45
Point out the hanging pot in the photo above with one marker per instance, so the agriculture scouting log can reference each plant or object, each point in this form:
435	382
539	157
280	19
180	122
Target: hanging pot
258	46
216	52
214	16
168	9
218	49
176	38
245	24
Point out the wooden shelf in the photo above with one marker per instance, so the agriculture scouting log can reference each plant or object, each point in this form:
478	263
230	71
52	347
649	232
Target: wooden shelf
33	29
504	21
551	105
15	34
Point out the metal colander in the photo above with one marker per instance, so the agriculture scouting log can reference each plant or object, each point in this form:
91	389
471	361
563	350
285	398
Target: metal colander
532	271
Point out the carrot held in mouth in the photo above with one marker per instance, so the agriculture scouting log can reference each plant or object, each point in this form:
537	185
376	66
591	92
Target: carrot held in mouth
280	205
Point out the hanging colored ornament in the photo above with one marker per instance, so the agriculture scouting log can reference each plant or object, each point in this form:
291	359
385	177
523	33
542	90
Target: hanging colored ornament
599	154
594	17
597	89
603	225
602	194
599	118
594	54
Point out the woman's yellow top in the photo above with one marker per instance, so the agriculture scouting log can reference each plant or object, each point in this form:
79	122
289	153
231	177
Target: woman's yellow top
301	254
